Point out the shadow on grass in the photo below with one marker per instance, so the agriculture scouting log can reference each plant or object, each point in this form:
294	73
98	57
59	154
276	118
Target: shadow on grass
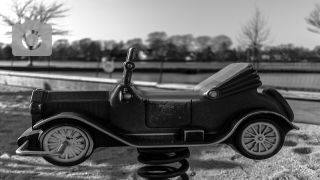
32	176
213	164
12	169
303	150
105	163
297	136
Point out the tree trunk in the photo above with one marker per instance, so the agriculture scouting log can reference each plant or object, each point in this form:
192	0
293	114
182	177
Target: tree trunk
30	62
161	70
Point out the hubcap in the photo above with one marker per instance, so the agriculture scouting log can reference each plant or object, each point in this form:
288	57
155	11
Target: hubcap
77	140
260	138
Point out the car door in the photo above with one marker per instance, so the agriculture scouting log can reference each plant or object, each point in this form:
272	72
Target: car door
168	114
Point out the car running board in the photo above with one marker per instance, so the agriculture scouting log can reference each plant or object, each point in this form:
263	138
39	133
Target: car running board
21	151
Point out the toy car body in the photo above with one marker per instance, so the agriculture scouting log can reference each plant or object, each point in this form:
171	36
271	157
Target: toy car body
224	108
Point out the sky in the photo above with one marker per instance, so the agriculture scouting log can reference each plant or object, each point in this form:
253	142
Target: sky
128	19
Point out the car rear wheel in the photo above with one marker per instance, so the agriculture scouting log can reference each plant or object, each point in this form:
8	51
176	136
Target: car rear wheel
259	139
79	140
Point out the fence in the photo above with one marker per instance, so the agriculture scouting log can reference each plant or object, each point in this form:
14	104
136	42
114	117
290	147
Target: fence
305	105
299	77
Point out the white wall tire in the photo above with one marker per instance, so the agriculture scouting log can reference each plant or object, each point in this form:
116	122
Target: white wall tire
259	139
79	148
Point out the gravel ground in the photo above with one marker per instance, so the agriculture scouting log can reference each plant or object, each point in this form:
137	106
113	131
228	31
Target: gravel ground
298	159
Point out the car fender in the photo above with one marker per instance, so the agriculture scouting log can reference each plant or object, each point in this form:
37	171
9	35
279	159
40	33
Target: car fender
31	136
83	119
238	121
283	103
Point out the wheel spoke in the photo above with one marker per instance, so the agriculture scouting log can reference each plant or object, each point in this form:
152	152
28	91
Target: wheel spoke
254	145
265	129
62	132
72	152
69	132
269	132
250	133
77	148
66	152
259	128
254	130
258	147
249	142
249	137
76	134
54	149
81	139
54	143
264	146
269	142
57	135
73	132
271	138
54	138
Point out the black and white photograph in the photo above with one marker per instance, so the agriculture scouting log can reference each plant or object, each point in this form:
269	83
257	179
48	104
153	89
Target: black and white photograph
150	89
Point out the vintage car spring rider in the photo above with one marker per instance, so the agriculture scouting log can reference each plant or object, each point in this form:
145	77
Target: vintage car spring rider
225	108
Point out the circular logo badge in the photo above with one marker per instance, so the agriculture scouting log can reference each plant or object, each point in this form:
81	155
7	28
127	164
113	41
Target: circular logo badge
25	40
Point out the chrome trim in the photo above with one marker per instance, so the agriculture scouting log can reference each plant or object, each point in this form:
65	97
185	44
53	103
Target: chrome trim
22	152
117	137
211	132
151	134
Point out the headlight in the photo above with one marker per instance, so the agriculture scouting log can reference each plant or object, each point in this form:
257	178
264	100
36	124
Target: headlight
213	94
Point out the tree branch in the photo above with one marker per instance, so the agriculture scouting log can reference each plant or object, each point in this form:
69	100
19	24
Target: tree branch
255	32
314	19
33	10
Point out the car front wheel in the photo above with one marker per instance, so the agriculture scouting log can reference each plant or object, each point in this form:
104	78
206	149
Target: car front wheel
259	139
79	144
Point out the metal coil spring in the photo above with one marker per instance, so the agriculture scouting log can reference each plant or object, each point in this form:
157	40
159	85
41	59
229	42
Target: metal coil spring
161	156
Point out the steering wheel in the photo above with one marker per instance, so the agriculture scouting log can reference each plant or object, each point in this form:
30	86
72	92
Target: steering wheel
129	66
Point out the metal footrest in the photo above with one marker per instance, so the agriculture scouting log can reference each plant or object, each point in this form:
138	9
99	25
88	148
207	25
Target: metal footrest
21	151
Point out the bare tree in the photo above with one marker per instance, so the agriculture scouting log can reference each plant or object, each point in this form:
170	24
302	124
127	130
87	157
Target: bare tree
255	33
36	10
314	19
